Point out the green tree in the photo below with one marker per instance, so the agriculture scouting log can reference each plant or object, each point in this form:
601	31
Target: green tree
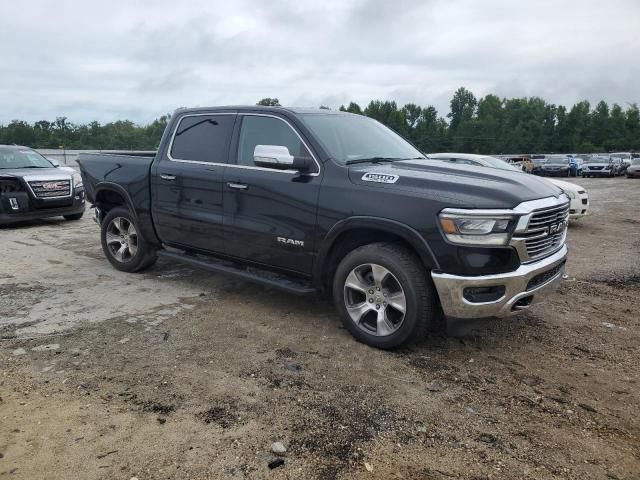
269	102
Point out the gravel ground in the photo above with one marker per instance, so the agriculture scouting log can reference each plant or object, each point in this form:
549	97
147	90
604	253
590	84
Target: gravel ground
175	373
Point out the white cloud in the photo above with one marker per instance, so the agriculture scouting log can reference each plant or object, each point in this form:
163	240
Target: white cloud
119	59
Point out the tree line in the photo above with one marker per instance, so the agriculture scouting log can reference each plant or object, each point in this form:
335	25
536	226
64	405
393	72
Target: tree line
489	124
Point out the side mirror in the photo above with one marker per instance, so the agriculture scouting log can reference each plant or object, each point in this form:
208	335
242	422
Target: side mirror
55	163
279	158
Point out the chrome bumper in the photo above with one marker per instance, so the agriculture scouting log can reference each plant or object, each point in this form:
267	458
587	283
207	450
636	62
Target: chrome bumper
517	295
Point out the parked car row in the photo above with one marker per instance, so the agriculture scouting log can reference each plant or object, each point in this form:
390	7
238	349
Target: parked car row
570	165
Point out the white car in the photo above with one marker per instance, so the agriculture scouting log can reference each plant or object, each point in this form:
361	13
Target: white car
579	197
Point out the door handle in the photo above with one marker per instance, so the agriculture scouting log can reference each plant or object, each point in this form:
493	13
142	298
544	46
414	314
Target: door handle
237	186
165	176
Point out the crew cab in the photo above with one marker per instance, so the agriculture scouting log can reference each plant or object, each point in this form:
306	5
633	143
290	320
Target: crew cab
33	187
332	203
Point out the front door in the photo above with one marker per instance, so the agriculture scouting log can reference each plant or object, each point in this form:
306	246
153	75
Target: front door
186	183
270	215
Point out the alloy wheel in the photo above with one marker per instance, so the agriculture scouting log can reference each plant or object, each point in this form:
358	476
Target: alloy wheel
375	299
122	239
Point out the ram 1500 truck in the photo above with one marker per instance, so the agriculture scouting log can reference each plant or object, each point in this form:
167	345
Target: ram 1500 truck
33	187
329	202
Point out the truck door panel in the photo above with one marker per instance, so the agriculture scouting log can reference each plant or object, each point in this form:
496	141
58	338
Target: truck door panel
187	188
270	215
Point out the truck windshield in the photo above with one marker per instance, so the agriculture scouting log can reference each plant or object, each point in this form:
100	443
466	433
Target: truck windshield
22	158
353	138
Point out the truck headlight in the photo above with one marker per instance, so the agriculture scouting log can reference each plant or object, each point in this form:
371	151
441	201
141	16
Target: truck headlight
570	194
77	180
477	228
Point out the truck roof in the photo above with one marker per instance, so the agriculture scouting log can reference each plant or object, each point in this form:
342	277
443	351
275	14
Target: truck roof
13	147
261	108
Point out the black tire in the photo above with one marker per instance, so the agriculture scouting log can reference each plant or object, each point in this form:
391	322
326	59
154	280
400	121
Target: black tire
75	216
145	254
407	271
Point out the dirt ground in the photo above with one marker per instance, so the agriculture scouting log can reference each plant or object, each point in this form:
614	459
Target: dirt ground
175	373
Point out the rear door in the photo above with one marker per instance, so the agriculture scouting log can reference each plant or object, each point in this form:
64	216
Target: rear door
270	215
186	182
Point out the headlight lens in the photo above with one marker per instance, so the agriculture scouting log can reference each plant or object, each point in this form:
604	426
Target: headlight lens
77	180
476	229
570	194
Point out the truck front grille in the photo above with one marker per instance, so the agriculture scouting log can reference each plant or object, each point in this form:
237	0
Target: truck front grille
541	231
546	231
51	188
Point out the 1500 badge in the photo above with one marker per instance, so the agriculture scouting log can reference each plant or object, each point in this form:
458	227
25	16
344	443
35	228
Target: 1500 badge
380	177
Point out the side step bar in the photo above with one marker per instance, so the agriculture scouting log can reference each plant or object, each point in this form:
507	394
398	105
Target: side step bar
252	274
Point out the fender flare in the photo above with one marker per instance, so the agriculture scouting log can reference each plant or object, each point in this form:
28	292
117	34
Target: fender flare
410	235
114	187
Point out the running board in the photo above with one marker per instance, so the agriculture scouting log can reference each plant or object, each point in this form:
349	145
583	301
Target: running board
252	274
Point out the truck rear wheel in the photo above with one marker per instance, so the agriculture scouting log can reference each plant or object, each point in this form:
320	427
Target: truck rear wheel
384	295
123	246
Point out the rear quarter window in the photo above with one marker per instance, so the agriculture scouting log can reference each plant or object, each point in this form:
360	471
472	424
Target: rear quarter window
203	138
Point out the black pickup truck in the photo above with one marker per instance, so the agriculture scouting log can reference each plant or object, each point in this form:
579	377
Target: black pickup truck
314	201
33	187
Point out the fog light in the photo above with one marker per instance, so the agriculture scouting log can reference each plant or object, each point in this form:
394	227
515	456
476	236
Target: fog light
483	294
14	203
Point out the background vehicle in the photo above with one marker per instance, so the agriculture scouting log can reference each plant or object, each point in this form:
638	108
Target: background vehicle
522	162
556	165
312	201
32	187
634	168
624	158
599	167
618	166
578	195
538	161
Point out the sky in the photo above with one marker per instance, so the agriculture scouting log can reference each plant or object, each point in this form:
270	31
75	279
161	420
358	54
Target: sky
118	59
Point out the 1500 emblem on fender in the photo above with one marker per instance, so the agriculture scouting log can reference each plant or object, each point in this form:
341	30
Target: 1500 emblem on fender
380	177
291	241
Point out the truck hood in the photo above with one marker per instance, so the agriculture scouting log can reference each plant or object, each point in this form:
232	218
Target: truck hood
35	172
462	185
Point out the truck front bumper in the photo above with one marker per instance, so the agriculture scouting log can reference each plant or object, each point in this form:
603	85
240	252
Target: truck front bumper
500	295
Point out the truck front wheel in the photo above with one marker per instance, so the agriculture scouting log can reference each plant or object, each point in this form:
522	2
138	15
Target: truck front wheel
384	295
122	244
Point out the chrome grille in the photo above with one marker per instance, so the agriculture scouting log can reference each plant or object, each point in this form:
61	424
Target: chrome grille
542	231
50	188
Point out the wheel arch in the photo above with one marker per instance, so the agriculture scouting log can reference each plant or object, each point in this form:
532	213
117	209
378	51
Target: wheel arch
110	195
355	232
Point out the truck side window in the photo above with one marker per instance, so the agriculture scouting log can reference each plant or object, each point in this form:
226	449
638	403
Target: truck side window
256	130
203	138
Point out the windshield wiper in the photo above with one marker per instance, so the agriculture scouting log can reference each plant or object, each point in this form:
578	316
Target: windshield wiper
378	160
370	160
